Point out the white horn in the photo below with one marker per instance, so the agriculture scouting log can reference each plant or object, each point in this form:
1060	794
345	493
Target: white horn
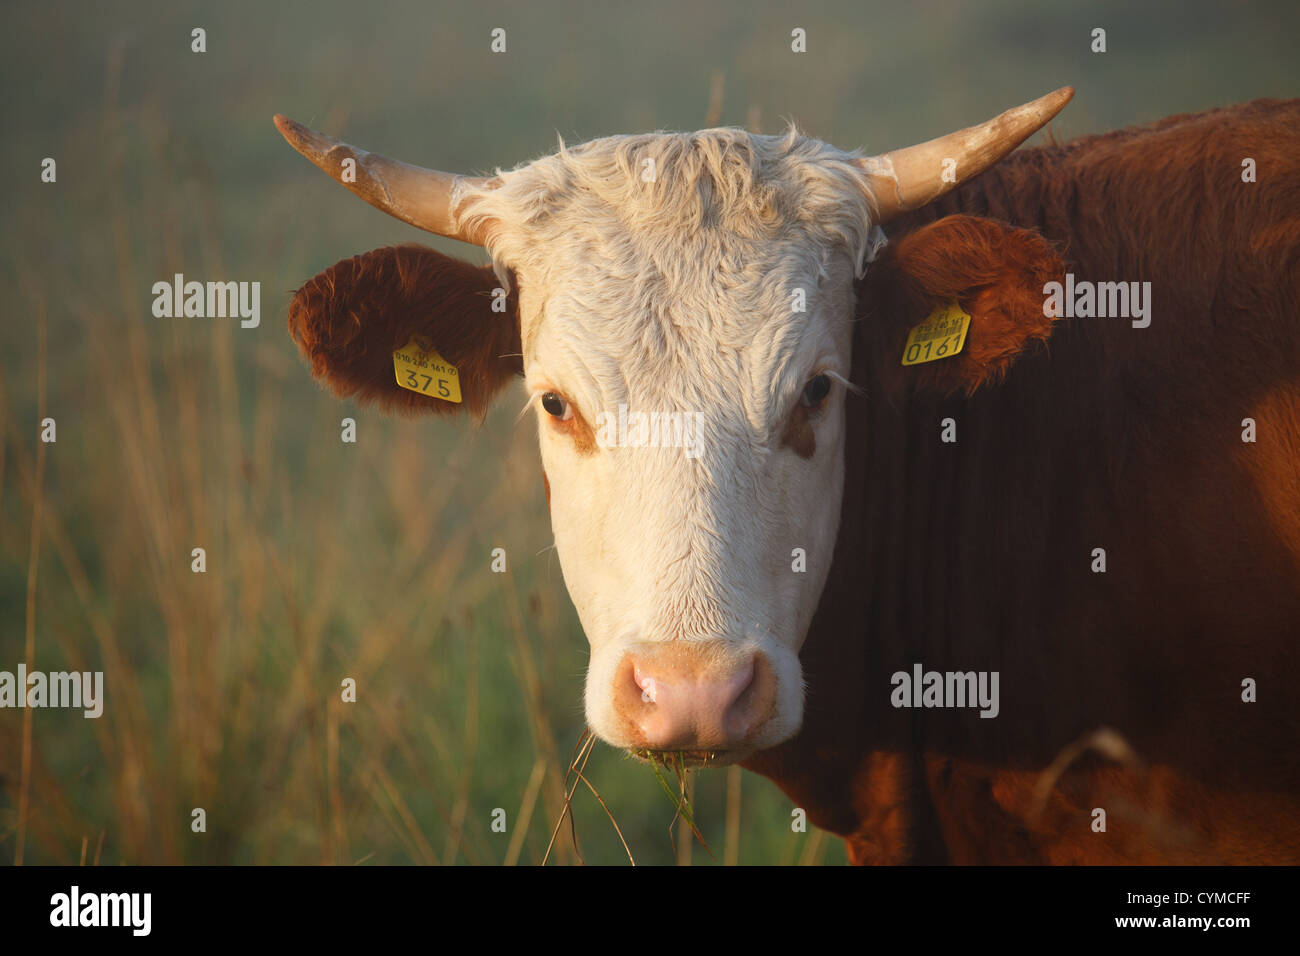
423	197
913	177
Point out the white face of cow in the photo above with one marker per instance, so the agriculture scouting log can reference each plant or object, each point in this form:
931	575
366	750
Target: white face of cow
685	308
686	305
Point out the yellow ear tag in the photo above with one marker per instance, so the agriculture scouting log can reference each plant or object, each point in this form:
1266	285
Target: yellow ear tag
941	335
420	369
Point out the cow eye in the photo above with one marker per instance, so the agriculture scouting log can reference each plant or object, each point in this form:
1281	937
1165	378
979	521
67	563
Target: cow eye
815	392
556	406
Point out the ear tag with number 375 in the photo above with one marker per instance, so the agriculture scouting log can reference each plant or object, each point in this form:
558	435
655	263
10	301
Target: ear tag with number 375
421	369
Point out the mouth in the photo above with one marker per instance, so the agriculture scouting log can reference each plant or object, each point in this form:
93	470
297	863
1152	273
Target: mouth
687	759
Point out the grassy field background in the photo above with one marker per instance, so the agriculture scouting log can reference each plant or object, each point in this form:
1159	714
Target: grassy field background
371	560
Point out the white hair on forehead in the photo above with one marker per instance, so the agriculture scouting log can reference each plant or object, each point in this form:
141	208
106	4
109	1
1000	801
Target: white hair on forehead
754	187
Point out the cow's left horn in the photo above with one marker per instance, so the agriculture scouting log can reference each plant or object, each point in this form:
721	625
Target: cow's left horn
423	197
914	177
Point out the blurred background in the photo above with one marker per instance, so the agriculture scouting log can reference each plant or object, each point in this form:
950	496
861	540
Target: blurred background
371	560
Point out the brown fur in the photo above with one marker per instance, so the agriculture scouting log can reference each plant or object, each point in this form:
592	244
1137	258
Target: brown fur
799	435
578	431
976	555
350	318
995	272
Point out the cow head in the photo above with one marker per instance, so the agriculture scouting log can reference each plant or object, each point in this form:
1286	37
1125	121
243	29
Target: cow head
681	308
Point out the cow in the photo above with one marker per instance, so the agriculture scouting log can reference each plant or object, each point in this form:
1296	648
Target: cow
975	569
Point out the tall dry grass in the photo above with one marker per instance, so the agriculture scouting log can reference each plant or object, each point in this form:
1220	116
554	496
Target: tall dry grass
324	561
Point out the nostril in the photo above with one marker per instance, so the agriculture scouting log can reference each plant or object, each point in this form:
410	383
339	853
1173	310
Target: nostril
751	704
744	679
645	684
733	698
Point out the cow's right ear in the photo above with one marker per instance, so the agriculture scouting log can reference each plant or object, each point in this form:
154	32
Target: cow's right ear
994	272
351	318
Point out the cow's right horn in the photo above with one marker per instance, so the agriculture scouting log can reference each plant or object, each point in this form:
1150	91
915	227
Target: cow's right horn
914	177
423	197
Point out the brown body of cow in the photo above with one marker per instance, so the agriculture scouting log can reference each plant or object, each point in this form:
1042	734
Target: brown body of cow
1121	691
977	554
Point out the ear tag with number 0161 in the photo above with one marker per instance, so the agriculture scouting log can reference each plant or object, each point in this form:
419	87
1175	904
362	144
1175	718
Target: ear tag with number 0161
941	335
421	369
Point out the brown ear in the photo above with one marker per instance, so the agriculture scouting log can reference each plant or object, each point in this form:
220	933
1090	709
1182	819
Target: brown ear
995	272
350	319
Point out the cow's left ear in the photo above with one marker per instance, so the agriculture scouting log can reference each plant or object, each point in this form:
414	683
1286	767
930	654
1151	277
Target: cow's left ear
366	325
995	272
